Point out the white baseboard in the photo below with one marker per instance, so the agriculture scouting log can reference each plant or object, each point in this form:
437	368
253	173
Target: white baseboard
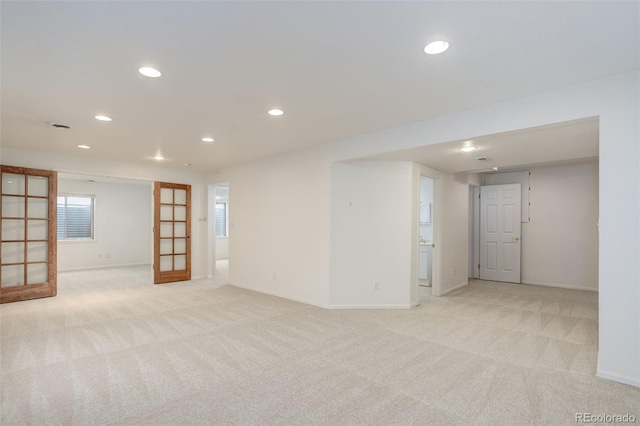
284	296
570	287
86	268
458	287
320	305
371	306
619	379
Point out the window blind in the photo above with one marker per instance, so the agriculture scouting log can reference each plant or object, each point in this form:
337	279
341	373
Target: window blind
221	219
75	217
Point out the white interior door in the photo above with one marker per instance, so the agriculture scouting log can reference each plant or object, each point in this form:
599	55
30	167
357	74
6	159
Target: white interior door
500	232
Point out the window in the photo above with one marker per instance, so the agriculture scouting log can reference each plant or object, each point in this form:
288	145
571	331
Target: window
221	219
75	217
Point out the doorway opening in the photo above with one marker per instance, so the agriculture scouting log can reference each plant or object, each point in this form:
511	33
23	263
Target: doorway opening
425	236
219	228
107	222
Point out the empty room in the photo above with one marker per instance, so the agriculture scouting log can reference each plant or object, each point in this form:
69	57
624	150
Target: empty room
215	212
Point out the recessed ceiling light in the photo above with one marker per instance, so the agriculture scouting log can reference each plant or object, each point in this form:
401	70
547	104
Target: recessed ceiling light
207	139
103	118
276	112
84	146
495	169
468	148
158	157
150	72
436	47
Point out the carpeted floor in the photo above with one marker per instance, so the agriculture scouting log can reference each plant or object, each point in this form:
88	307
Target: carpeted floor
113	349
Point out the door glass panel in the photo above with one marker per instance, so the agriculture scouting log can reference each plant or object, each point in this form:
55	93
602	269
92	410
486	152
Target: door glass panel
37	273
181	229
180	213
37	230
166	229
12	253
172	206
12	207
181	196
166	246
13	229
165	263
38	186
27	244
166	213
180	262
37	252
12	276
166	196
38	207
180	246
12	184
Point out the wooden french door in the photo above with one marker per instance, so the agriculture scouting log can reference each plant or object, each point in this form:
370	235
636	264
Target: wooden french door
28	234
172	232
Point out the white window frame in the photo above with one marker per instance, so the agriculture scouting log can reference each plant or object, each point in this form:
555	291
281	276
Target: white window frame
93	219
226	219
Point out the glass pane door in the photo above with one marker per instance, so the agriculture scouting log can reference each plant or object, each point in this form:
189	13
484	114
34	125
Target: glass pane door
172	232
27	234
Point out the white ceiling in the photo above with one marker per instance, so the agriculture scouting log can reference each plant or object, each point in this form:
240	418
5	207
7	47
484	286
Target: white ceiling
338	69
561	142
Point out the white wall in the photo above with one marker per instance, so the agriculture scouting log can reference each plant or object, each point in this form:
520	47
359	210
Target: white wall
122	226
300	182
222	248
560	240
371	235
279	225
454	232
93	167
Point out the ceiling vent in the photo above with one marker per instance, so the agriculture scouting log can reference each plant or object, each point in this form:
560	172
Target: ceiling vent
483	159
60	126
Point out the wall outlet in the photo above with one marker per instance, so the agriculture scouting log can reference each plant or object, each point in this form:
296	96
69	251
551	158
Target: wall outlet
376	285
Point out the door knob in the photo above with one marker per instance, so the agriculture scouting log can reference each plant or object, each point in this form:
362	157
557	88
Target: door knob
516	238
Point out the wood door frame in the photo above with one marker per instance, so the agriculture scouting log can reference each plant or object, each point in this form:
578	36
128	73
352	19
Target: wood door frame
49	288
172	276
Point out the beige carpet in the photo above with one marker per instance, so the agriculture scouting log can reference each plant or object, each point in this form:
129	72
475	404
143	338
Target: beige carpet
113	349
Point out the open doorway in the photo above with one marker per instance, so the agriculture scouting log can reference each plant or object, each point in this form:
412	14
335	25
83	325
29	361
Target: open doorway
219	227
425	237
104	233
